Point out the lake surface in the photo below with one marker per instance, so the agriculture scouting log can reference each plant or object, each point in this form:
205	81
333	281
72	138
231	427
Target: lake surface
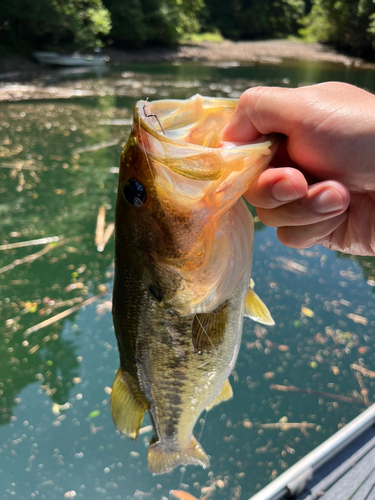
58	165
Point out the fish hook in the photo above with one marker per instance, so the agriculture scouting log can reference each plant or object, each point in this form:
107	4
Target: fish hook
150	115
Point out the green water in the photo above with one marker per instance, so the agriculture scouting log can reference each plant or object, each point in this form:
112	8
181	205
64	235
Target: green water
57	439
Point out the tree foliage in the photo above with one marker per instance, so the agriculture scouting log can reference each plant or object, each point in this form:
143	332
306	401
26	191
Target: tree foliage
166	21
44	23
25	24
346	24
249	19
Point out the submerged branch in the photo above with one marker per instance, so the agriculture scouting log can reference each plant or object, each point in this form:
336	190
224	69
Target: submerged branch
37	255
364	391
319	394
29	243
62	315
289	425
96	147
100	223
364	371
20	165
102	233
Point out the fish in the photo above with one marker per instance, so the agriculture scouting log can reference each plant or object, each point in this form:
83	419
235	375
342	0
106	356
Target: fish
182	283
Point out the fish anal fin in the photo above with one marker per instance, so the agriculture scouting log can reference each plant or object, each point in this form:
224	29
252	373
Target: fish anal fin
209	328
127	409
225	394
162	458
256	309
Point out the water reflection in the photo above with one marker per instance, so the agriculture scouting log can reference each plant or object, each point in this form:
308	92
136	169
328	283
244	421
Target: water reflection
49	189
48	359
58	158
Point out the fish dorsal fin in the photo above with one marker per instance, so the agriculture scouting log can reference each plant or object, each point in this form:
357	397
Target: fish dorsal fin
209	328
162	458
127	410
225	394
256	309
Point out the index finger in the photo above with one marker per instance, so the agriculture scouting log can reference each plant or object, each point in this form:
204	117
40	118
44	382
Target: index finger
261	110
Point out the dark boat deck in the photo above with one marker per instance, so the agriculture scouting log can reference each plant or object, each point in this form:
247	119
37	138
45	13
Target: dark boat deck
350	475
341	468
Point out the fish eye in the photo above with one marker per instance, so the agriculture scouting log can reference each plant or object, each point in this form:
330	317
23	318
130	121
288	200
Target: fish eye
156	292
134	193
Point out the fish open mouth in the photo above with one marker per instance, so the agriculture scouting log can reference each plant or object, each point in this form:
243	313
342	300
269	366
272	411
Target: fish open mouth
185	136
196	121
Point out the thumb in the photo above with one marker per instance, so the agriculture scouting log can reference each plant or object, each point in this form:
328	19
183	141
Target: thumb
260	110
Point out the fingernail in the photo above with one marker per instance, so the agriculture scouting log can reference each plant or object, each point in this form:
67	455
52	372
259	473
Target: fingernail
284	191
239	129
327	201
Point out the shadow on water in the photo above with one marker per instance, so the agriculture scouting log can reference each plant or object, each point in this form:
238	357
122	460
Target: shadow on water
58	164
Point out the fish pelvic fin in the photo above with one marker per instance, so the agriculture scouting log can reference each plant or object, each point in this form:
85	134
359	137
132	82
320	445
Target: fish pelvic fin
127	410
161	458
256	309
225	394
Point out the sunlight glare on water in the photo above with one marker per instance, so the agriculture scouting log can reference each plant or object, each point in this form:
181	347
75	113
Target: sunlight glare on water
59	157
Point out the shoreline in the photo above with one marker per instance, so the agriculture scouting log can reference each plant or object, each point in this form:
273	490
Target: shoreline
23	79
18	66
245	51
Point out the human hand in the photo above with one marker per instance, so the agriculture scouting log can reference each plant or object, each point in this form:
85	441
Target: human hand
323	189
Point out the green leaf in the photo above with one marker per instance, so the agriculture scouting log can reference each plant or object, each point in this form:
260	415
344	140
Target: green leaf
94	414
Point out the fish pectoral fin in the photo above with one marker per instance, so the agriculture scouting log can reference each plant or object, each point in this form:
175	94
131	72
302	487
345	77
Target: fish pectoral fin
161	458
256	309
225	394
209	328
127	411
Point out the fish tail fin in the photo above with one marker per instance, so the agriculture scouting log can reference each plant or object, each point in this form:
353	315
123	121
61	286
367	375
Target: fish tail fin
127	411
161	458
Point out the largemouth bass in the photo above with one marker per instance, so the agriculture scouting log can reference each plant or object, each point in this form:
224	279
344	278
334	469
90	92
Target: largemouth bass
183	253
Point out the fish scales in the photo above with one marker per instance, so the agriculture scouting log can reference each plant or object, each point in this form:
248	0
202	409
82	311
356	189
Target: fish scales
183	251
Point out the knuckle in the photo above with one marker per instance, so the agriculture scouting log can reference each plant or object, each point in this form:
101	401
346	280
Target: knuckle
251	95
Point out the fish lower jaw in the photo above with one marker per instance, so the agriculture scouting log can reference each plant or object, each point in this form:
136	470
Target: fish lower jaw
162	457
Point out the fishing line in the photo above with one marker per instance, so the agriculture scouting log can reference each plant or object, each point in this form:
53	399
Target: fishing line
182	470
149	164
196	317
202	425
144	148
